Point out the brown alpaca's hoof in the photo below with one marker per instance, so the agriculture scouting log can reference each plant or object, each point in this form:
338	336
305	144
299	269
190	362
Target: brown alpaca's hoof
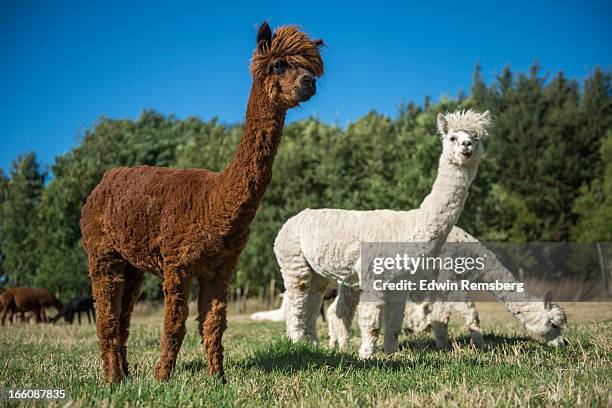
219	374
113	371
162	372
114	377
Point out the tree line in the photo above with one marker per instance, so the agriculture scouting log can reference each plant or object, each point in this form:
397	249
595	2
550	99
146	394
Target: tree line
546	174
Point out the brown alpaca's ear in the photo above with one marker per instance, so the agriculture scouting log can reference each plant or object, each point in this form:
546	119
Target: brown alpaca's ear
264	38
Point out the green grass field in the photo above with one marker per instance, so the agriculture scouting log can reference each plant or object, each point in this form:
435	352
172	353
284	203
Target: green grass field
264	369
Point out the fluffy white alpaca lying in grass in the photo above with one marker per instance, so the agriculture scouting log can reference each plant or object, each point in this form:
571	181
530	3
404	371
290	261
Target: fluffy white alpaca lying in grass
317	247
542	319
279	315
276	315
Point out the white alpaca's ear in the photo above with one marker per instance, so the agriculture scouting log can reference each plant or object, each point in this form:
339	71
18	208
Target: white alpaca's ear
547	300
486	118
442	124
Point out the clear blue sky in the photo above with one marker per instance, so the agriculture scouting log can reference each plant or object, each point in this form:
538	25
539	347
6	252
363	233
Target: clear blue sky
65	63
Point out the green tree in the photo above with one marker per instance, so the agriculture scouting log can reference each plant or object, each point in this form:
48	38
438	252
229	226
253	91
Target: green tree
544	176
3	190
544	147
22	193
594	206
153	139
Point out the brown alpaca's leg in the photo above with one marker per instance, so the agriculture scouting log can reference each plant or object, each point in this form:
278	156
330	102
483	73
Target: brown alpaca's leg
107	283
5	312
175	314
131	291
43	315
212	305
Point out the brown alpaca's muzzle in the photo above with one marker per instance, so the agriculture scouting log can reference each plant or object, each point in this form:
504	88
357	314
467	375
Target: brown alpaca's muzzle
308	87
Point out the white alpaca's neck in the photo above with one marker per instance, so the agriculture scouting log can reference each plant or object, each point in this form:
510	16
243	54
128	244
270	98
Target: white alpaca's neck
441	209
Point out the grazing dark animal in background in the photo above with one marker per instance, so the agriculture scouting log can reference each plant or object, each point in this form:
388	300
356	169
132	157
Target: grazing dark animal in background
9	313
6	298
76	306
21	300
7	307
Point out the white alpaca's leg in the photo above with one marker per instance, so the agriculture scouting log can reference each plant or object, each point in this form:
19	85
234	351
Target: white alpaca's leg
340	316
468	312
394	317
304	289
333	322
296	294
440	331
316	292
304	294
370	320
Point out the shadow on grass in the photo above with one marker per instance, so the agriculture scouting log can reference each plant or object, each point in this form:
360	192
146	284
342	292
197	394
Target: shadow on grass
286	357
194	366
497	340
426	343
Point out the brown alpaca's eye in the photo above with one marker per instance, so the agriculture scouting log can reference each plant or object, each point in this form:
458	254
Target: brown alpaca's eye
279	67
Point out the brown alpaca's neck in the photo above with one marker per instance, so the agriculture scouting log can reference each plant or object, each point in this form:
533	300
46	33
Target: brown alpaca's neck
244	181
441	209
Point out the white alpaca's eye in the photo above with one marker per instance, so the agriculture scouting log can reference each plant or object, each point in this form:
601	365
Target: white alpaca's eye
453	138
554	326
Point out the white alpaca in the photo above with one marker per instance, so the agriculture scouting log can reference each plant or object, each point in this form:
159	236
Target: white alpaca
541	318
436	315
418	317
316	247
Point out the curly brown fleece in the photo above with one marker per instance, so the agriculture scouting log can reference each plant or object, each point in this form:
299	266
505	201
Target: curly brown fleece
22	300
190	223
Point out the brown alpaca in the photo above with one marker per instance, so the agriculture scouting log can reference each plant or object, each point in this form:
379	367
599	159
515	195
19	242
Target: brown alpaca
7	307
22	300
5	300
181	224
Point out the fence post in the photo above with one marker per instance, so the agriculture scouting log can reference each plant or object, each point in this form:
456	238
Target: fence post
245	297
602	265
238	297
271	293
